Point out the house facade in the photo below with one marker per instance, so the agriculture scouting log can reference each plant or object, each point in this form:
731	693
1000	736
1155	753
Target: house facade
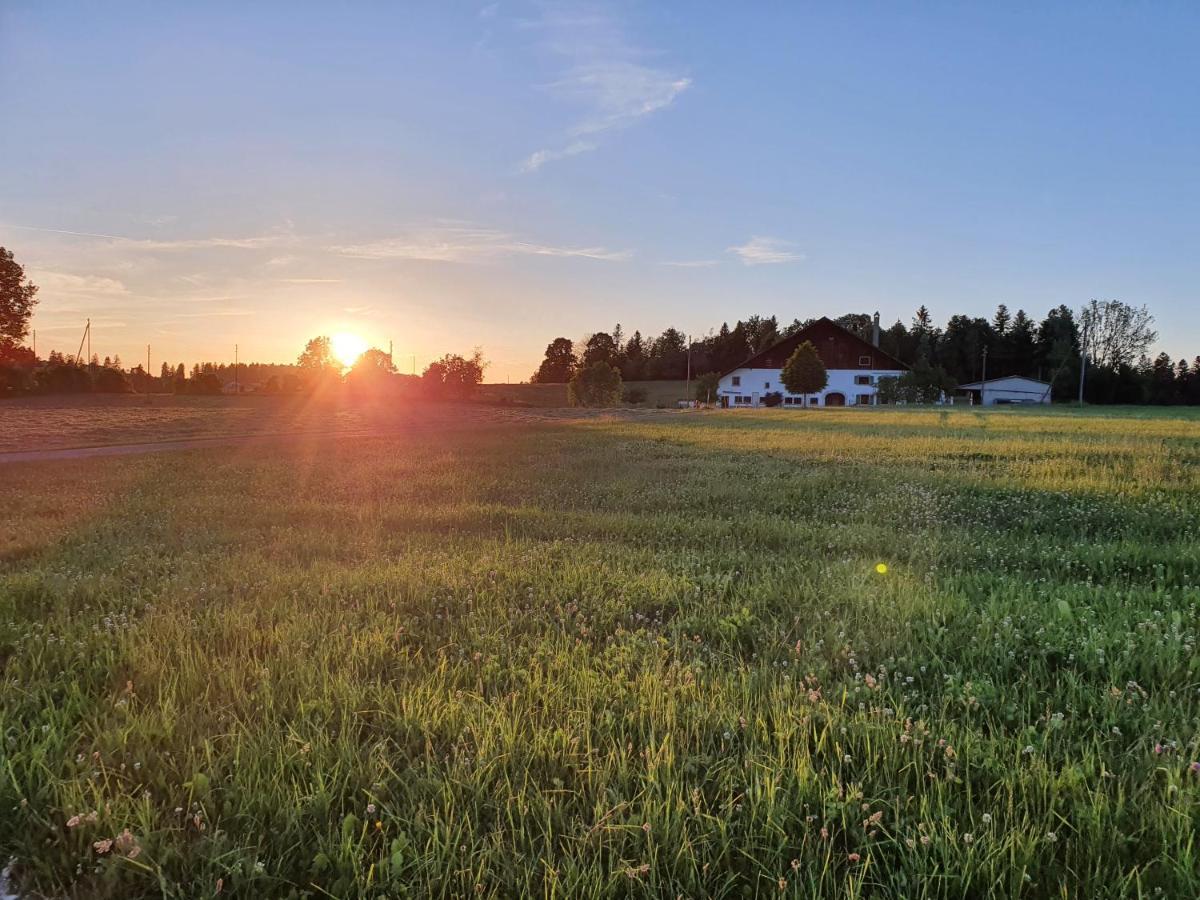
854	366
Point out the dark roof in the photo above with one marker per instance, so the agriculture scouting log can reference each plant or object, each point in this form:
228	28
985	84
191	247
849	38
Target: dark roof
835	345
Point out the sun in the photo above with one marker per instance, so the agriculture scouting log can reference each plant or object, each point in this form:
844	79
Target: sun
347	347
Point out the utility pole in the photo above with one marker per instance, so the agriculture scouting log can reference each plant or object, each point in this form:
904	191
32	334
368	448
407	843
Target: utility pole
983	383
687	384
1082	363
89	340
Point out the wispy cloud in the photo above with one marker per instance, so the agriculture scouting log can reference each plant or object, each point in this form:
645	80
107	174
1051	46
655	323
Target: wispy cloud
240	243
761	251
536	160
311	280
60	284
467	244
605	79
691	263
214	313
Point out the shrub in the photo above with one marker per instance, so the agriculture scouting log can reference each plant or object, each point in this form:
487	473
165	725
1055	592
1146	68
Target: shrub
596	385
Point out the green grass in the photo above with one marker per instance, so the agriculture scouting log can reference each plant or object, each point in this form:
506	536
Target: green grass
613	658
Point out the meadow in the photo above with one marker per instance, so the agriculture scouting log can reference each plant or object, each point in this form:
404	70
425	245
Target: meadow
844	653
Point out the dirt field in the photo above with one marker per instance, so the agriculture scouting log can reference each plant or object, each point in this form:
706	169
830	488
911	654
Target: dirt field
45	423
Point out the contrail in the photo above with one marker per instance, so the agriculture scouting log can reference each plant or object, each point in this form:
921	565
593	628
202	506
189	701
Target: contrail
111	237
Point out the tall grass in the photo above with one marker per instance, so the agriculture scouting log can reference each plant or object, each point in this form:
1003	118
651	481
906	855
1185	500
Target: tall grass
610	659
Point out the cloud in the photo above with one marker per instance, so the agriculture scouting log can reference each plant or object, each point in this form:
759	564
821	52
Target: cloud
52	284
605	79
215	313
761	251
311	280
621	92
541	157
467	244
691	263
240	243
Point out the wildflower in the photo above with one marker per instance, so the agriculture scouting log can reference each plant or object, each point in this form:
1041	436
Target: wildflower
103	846
987	818
1051	836
378	825
1195	767
370	809
968	838
881	568
783	884
854	857
1028	749
73	821
646	827
824	834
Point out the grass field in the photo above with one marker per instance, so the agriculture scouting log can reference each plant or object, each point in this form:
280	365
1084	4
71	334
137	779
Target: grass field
613	657
658	393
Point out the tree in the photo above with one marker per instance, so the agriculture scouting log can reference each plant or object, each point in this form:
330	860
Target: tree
596	385
804	373
454	376
1115	333
706	387
633	362
600	347
1022	344
318	356
372	367
559	363
1001	320
1162	380
18	296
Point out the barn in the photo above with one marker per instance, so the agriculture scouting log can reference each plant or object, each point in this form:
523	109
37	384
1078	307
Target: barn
1003	391
854	365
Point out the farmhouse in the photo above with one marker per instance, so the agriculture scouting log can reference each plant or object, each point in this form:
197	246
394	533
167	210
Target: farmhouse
1013	389
854	366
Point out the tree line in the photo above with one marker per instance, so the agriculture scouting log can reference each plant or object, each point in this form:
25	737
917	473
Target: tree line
1115	337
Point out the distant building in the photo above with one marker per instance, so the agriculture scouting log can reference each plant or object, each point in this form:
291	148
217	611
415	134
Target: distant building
1009	390
854	367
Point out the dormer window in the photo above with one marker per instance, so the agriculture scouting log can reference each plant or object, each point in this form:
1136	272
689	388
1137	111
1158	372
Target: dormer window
864	362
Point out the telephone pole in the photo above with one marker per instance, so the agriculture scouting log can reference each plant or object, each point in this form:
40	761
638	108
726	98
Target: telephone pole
983	382
687	384
1082	363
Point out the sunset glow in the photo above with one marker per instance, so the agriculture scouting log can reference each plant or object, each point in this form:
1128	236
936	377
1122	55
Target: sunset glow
347	347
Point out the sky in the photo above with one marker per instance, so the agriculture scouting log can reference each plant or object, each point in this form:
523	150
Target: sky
449	175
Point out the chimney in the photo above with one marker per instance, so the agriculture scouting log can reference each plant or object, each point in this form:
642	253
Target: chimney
875	331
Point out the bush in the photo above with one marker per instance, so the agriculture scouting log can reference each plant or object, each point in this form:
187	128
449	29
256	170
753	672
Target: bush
634	395
775	398
596	385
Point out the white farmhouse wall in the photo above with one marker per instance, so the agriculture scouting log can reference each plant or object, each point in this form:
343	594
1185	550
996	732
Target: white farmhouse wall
754	384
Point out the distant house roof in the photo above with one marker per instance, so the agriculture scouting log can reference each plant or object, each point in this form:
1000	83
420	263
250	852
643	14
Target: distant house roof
992	382
838	347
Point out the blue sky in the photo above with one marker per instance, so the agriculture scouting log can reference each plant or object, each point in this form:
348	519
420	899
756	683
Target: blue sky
447	175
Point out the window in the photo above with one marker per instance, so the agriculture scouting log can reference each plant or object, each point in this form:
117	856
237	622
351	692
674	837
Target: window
737	380
863	399
862	379
864	362
767	385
